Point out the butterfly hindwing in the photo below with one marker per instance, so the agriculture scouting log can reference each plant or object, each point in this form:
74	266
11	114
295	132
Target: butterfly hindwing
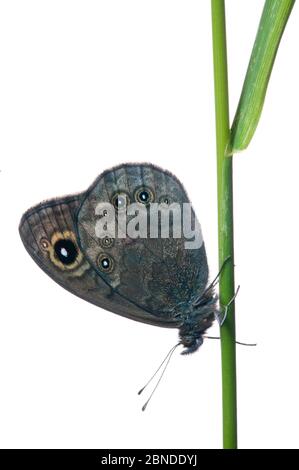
159	275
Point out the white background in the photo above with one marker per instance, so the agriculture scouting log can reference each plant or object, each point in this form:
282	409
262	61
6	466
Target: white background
89	84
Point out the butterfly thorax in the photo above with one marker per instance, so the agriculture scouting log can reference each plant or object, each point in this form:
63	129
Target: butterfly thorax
196	320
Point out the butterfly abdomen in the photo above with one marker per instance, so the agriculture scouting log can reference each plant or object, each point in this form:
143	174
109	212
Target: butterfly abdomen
196	323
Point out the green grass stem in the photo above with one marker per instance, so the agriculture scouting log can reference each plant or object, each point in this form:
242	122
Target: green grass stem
225	225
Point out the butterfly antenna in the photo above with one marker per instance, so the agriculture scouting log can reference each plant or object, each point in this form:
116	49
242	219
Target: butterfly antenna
167	360
154	375
237	342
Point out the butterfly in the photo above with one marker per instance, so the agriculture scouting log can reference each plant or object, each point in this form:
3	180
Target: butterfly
158	280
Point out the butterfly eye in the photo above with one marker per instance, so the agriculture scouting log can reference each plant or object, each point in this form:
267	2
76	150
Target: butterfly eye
120	201
144	196
66	251
105	263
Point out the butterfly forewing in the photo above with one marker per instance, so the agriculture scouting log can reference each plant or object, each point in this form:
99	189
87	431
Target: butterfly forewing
48	233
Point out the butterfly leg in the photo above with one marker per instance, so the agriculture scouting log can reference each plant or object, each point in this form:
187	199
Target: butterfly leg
218	314
216	280
211	286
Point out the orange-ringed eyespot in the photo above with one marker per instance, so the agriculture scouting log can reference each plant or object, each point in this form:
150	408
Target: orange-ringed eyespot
44	243
105	263
66	251
165	200
120	201
144	196
106	242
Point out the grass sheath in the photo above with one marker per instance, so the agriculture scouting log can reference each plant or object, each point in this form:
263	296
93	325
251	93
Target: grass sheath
272	24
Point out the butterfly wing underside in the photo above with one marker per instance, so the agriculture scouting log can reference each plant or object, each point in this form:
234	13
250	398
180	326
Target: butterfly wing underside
51	225
159	275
